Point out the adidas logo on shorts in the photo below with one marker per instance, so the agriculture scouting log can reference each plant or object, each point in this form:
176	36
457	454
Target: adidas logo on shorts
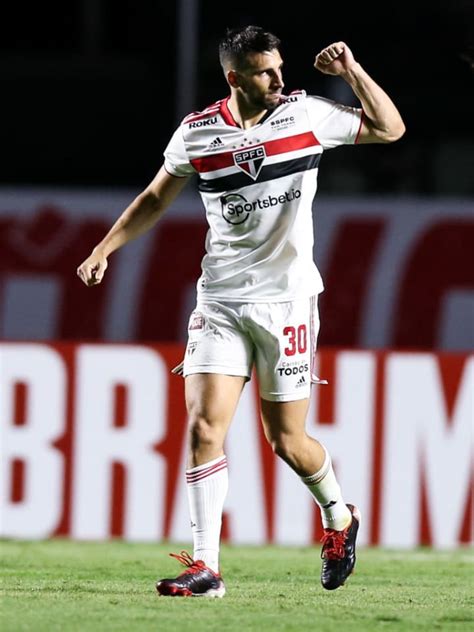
301	382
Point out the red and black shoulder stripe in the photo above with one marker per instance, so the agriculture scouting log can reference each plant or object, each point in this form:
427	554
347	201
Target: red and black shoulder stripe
210	110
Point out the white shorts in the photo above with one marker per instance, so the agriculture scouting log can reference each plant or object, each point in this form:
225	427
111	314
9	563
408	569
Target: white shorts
279	339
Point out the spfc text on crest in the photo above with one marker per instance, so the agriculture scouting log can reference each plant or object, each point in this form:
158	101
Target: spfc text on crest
250	161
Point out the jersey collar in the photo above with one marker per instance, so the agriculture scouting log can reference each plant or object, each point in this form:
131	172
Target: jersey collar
230	120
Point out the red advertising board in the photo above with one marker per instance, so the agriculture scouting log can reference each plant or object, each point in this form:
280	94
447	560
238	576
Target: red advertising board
94	440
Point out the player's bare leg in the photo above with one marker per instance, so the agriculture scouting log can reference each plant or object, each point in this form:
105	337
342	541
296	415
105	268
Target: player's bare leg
284	426
211	400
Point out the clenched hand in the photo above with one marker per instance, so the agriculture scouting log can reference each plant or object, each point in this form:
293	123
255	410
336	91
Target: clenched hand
335	59
91	271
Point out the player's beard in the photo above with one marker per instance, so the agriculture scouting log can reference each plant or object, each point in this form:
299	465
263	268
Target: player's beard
273	100
267	101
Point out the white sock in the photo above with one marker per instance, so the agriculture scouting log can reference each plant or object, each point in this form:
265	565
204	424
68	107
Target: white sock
327	493
207	488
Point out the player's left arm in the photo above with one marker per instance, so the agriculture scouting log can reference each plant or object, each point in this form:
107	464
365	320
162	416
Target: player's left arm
382	122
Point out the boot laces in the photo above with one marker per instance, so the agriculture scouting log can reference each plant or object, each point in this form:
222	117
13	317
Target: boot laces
193	566
333	544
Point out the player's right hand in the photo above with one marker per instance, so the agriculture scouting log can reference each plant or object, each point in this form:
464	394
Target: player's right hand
91	271
335	59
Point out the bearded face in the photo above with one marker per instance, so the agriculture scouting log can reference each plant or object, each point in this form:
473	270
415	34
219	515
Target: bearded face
260	80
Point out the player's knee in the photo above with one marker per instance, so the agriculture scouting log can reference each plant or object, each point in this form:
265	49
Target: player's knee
203	433
284	445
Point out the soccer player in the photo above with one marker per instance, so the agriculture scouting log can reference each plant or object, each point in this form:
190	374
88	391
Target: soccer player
256	154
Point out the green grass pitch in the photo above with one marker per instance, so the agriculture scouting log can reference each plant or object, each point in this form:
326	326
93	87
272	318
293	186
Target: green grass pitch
61	585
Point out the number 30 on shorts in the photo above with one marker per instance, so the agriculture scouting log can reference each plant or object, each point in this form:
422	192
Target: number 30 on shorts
297	339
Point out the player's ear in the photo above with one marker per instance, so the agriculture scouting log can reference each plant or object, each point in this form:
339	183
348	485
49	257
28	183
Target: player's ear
233	79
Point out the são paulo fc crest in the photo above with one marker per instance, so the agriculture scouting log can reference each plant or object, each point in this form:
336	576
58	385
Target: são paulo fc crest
250	161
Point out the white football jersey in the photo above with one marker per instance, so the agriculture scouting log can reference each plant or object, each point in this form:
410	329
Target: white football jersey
257	186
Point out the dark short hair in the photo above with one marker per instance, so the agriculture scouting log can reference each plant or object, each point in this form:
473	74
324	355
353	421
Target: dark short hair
237	43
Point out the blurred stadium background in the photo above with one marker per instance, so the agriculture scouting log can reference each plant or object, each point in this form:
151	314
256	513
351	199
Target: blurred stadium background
92	421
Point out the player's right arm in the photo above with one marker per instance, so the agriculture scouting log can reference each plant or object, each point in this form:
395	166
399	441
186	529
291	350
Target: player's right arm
141	215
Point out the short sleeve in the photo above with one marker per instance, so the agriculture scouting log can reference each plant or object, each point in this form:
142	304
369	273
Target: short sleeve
332	123
176	158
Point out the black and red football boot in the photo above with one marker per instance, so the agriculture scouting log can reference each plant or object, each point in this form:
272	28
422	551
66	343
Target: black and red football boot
338	552
198	580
